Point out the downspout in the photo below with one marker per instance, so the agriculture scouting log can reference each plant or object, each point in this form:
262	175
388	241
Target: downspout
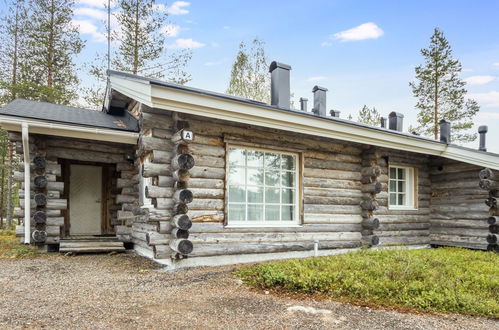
27	184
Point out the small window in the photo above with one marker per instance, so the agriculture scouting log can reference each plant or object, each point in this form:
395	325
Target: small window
401	189
262	187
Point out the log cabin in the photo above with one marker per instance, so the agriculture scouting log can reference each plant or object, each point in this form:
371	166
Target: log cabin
191	177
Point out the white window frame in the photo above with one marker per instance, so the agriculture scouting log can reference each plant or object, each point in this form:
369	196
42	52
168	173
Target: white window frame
296	222
410	188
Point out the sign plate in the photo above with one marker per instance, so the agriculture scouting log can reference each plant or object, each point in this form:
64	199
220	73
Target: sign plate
187	135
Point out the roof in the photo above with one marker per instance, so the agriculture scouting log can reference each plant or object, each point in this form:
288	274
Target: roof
173	97
56	113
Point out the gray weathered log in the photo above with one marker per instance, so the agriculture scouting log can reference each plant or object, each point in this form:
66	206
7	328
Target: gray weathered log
85	155
161	157
183	196
57	204
40	199
164	181
39	162
162	203
492	220
182	246
491	202
373	188
487	184
181	175
183	162
492	238
182	221
180	233
486	173
151	169
149	143
39	236
370	223
493	247
494	229
369	204
150	120
40	181
155	238
40	217
158	192
180	208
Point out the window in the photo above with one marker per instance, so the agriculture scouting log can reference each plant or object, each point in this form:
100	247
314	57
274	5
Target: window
262	187
401	188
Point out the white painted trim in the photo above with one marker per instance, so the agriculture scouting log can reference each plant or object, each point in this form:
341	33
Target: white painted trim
11	123
173	99
27	184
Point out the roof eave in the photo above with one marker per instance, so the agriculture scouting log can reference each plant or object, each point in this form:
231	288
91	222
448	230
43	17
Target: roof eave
11	123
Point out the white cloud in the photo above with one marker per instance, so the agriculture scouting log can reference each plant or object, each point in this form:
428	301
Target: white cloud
91	12
479	80
364	31
187	44
326	44
486	116
317	78
170	30
87	27
496	64
226	27
177	8
489	99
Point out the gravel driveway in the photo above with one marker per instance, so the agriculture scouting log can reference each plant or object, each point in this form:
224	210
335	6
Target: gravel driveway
125	291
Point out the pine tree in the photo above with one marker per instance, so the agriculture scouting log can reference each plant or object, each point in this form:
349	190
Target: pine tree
12	46
441	93
249	76
48	73
141	48
369	116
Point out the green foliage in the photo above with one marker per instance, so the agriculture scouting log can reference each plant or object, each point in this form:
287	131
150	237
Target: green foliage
369	116
249	76
10	248
441	93
450	280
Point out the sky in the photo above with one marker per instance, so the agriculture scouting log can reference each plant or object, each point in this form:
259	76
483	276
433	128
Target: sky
363	52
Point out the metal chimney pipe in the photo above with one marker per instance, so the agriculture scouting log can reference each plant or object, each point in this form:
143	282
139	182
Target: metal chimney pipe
383	122
280	85
482	130
319	101
444	131
396	121
303	104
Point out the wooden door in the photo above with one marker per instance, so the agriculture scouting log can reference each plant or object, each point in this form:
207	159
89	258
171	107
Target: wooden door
85	198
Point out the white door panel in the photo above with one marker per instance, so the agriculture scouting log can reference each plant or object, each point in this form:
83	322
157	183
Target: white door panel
85	193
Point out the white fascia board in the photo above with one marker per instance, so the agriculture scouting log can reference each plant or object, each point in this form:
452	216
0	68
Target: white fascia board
81	132
139	90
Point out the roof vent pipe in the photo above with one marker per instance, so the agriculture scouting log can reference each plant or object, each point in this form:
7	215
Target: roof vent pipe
303	104
482	130
444	131
280	85
319	101
335	113
383	122
396	121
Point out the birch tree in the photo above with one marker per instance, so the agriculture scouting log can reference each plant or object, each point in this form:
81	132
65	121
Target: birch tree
441	93
249	77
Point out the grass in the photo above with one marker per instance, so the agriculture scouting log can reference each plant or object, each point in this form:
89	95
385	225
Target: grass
11	249
444	280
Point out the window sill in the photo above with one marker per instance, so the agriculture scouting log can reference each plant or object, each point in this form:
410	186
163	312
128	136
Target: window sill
402	208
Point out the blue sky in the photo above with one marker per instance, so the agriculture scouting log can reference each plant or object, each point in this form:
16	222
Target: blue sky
364	52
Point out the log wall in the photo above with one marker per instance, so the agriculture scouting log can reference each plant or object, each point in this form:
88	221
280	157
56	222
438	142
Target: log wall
459	213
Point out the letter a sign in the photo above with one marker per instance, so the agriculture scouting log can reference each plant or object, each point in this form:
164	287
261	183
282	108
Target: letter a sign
187	135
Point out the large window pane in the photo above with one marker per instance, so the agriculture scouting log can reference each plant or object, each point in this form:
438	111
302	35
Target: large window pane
288	196
255	158
272	212
255	194
288	162
237	212
287	213
393	185
272	195
237	157
272	160
272	178
255	176
237	194
401	174
393	173
255	212
401	186
288	179
393	199
237	175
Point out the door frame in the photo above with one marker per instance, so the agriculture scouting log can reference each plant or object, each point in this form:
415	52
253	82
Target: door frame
108	172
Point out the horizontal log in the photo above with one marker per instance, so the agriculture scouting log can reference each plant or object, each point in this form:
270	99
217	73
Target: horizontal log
314	218
403	240
459	231
40	199
39	236
163	203
181	221
161	133
210	161
150	120
57	204
179	233
331	183
40	181
331	174
332	156
370	240
402	233
486	173
206	150
123	230
206	216
493	220
151	169
182	246
369	204
331	165
494	229
214	227
40	217
125	166
231	248
325	192
487	184
207	172
149	143
145	227
493	247
164	181
165	227
492	238
403	226
206	183
370	223
120	199
162	251
207	204
273	237
457	223
181	175
87	145
154	238
331	200
459	240
85	155
18	212
158	192
207	193
161	157
55	221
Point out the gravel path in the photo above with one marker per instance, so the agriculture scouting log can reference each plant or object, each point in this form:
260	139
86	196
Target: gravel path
125	291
